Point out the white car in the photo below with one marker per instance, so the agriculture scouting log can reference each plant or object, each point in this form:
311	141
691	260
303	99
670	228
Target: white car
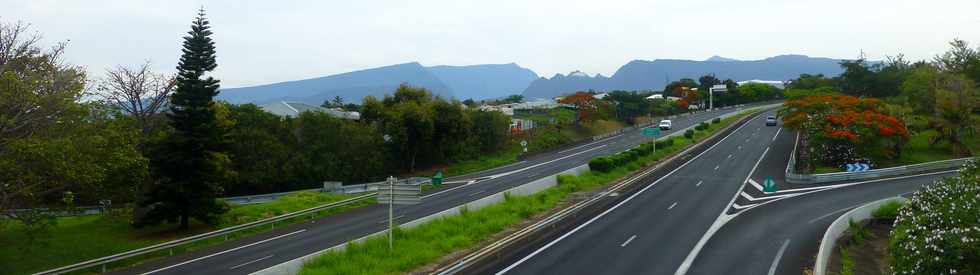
665	124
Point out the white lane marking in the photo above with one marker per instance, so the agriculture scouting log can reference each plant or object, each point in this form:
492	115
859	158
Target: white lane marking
740	207
614	207
740	147
395	218
672	206
628	241
722	219
477	193
777	133
747	140
729	155
751	198
755	184
515	171
716	167
699	183
226	251
252	261
831	213
775	262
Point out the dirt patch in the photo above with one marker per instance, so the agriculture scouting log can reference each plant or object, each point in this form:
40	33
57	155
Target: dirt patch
869	256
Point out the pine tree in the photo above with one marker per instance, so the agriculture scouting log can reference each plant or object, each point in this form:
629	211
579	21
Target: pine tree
189	165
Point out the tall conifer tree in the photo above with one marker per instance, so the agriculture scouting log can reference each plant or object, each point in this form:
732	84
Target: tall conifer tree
190	164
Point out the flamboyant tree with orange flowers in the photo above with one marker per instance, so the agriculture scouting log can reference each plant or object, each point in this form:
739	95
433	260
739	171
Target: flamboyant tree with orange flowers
585	103
843	129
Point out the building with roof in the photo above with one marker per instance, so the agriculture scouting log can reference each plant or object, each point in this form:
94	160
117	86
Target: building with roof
777	84
293	109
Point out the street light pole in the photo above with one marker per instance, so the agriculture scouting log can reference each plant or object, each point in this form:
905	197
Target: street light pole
711	98
391	212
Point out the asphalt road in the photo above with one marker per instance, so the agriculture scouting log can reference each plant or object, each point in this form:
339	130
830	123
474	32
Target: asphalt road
710	216
651	231
260	251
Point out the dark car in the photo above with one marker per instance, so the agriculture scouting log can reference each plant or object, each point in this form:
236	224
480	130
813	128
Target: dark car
770	121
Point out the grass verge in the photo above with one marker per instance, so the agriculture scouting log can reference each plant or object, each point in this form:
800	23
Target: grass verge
429	242
81	238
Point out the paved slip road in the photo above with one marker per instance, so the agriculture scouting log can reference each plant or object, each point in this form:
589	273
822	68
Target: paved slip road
664	228
261	251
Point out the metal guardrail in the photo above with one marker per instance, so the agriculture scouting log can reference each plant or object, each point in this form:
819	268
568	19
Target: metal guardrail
221	232
792	177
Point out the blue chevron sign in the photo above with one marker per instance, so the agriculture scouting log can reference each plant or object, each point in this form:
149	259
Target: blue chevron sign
857	167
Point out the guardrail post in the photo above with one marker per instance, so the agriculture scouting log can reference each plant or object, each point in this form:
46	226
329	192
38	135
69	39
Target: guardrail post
103	268
171	251
226	237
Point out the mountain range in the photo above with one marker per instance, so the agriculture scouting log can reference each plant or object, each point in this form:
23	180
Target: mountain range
654	75
476	81
490	81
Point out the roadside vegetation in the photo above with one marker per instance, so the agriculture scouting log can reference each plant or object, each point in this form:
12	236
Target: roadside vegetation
416	247
81	238
863	248
888	114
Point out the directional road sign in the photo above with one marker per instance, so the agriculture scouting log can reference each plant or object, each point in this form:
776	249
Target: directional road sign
400	194
857	167
651	132
769	185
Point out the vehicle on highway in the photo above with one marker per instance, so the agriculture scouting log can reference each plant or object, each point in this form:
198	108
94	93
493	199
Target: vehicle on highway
771	121
665	124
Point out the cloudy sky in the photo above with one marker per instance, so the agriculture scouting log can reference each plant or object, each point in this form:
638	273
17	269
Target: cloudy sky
270	41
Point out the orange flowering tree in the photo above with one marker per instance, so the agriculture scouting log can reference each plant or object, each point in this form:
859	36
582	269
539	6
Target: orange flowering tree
844	129
585	103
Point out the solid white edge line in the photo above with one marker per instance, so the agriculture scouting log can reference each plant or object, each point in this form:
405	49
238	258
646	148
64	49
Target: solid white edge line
621	203
699	183
832	213
394	218
252	261
775	261
226	251
777	133
672	206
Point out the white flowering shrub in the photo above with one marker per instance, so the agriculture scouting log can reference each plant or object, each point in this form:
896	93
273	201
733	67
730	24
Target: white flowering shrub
938	230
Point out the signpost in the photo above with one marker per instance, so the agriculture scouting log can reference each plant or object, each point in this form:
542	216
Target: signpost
398	194
652	132
524	144
769	185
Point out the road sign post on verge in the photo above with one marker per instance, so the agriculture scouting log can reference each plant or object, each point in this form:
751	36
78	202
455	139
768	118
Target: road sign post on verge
524	144
652	132
398	194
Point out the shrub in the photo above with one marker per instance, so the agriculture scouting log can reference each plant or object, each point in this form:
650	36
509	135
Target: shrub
702	126
938	230
689	134
716	120
601	164
661	144
887	211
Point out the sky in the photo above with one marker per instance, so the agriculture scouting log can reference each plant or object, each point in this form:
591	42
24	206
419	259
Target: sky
260	42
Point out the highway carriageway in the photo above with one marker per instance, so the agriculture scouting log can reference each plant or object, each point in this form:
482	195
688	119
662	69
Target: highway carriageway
264	250
697	220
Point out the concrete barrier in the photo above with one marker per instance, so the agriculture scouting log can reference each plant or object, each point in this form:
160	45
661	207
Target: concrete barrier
295	265
841	224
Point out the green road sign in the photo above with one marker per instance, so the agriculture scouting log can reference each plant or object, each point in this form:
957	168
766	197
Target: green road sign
769	185
651	132
437	179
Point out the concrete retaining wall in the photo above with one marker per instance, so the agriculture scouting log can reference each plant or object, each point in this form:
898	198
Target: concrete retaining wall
837	228
295	265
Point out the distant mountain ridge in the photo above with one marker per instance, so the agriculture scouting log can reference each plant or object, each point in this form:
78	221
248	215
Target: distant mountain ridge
654	75
489	81
461	82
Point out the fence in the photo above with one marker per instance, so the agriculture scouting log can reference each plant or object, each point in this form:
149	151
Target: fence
217	233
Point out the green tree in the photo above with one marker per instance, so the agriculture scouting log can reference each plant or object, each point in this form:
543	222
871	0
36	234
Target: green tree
706	81
513	99
629	105
190	166
490	129
262	151
956	98
919	89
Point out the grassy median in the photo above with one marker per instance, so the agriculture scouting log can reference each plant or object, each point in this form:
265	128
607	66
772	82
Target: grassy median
431	241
